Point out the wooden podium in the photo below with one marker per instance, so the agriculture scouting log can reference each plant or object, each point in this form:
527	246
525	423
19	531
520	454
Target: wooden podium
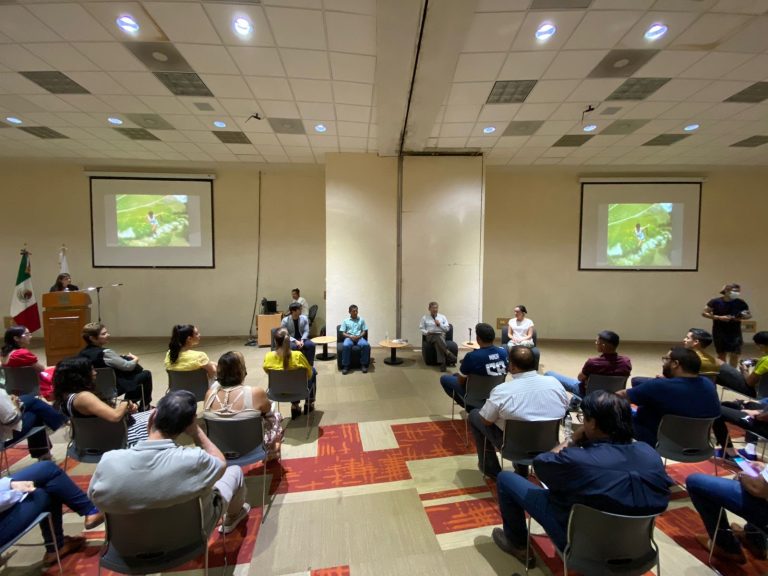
264	326
64	315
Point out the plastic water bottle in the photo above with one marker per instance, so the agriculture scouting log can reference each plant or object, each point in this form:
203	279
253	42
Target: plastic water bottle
386	336
568	427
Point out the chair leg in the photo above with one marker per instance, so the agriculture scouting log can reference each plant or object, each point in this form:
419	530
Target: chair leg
55	544
714	537
4	467
528	546
264	494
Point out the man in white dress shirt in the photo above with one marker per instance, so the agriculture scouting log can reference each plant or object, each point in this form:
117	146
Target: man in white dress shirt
435	326
297	297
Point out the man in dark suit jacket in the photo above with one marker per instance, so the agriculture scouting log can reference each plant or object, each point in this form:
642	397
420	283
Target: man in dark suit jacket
298	328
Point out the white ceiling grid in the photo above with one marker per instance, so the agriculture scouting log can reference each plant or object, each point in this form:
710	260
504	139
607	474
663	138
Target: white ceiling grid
319	61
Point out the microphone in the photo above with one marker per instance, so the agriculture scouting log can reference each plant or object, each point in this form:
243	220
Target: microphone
91	288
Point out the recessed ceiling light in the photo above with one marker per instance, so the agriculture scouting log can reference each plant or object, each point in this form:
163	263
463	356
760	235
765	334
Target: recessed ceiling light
220	124
655	32
320	128
590	128
242	26
127	24
489	130
13	120
691	127
545	32
115	121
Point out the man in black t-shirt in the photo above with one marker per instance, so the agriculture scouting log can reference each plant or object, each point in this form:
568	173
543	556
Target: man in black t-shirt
727	313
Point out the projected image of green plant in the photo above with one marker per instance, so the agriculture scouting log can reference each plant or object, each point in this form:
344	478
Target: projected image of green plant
639	234
152	220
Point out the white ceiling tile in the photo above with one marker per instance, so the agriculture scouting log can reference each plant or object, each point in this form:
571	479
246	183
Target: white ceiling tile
526	65
213	103
558	127
463	129
164	104
241	107
466	113
305	63
676	22
84	120
20	25
312	90
251	125
352	93
502	5
658	126
645	110
551	90
753	113
451	142
571	111
352	113
601	29
719	91
708	31
498	112
297	28
678	89
621	4
574	64
353	67
356	6
535	111
753	37
325	142
47	119
71	22
492	32
270	88
469	93
110	56
223	16
183	22
226	86
726	110
754	70
293	139
686	110
210	59
670	63
17	58
476	67
276	109
595	89
14	83
356	129
126	104
141	83
106	13
566	23
352	33
263	139
715	65
254	61
61	56
87	103
97	82
316	111
50	102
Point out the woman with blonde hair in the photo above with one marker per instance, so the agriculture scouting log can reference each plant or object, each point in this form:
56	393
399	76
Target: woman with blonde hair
283	358
230	399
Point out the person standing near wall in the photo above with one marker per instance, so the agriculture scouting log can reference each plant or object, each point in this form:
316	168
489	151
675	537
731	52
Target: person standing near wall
727	313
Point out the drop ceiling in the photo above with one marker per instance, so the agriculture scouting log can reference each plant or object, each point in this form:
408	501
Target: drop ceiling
470	76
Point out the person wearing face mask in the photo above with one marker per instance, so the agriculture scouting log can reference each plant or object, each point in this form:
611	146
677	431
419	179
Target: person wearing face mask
681	392
727	312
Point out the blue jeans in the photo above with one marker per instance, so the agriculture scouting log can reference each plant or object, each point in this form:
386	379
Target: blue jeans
308	350
38	413
570	384
518	496
346	352
709	494
454	389
54	488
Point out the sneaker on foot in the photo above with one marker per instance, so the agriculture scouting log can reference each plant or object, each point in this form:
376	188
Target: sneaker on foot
345	371
227	527
754	543
501	540
746	455
364	369
69	545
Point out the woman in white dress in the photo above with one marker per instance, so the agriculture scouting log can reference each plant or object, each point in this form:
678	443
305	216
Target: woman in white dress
520	330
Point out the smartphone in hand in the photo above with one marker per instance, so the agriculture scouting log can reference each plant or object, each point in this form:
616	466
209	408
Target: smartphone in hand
746	467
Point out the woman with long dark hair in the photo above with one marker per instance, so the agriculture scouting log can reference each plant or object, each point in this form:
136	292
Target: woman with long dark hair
283	358
64	284
15	354
181	355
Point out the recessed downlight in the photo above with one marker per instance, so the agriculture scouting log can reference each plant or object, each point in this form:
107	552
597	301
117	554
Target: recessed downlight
220	124
242	26
127	24
320	128
114	121
489	130
13	120
590	128
545	31
655	31
691	127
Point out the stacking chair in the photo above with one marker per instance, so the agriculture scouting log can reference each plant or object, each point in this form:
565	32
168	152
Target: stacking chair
607	383
523	440
155	540
40	518
288	386
4	464
605	544
241	440
714	540
106	385
476	391
92	437
312	314
196	381
685	439
762	386
22	380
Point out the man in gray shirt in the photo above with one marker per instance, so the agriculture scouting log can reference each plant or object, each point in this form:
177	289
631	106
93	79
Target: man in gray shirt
156	473
435	326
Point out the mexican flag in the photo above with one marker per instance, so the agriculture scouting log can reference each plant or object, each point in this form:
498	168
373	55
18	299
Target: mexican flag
23	304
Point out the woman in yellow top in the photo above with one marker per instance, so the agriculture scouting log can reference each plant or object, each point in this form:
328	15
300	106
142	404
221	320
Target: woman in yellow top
180	355
283	358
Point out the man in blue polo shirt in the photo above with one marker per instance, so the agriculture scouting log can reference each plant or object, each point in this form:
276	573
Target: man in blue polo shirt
681	392
355	333
489	360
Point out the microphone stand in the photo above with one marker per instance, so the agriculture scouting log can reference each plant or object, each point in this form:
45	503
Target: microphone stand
98	296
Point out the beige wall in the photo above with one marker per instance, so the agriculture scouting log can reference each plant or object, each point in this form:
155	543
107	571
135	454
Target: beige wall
531	258
56	210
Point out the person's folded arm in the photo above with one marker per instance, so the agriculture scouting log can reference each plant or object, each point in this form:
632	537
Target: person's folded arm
117	362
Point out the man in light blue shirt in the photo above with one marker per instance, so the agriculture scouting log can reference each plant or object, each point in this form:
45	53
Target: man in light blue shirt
355	332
